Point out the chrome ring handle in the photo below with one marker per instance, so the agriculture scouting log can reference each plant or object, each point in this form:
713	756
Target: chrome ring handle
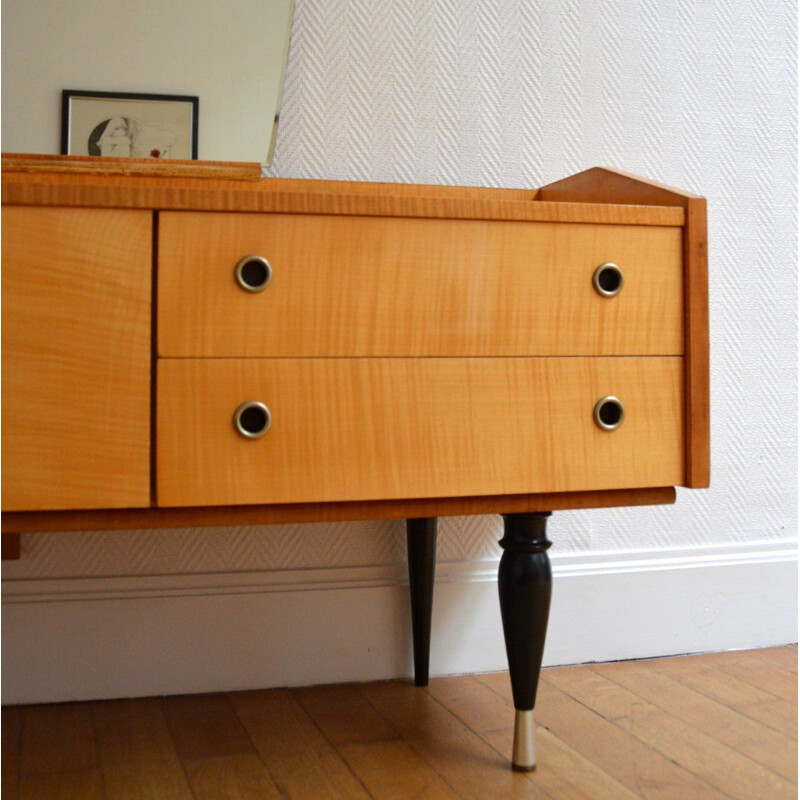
608	280
609	413
253	273
252	419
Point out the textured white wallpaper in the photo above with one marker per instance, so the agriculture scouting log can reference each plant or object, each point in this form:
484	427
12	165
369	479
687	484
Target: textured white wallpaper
701	95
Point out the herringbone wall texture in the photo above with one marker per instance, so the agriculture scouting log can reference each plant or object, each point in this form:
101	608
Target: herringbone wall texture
695	93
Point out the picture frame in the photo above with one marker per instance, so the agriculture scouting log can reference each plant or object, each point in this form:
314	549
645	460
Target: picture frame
127	125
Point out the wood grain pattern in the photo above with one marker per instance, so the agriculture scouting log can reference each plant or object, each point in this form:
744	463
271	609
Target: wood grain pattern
11	547
747	737
606	185
86	784
754	671
301	761
137	754
698	387
784	657
11	732
468	764
758	704
44	748
171	168
239	776
204	726
214	516
361	429
343	715
361	286
84	169
720	766
290	196
603	185
76	358
637	766
604	732
392	770
475	304
561	771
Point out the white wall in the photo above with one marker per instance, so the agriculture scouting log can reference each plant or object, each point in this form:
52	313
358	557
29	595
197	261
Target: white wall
701	95
232	60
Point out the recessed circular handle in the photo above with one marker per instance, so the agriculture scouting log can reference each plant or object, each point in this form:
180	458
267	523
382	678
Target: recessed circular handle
253	273
609	413
608	279
252	419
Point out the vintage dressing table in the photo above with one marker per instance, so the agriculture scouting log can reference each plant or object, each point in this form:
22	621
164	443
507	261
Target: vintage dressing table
189	344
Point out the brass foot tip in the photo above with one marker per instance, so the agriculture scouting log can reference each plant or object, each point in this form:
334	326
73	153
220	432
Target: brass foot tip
523	758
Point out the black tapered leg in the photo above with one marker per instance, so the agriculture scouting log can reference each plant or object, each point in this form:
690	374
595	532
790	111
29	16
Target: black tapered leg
525	583
421	538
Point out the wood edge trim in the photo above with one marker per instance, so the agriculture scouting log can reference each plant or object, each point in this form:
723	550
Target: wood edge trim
603	184
10	546
696	346
606	185
226	200
155	238
668	189
144	518
140	167
92	166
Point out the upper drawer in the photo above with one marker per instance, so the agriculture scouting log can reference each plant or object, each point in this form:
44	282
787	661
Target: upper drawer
384	286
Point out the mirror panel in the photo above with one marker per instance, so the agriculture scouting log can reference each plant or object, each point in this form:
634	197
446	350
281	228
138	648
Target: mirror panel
231	55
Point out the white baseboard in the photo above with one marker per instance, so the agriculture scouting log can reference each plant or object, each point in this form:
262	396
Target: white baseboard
95	638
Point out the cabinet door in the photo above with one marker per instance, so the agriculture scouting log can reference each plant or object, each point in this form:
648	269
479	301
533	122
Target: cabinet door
76	358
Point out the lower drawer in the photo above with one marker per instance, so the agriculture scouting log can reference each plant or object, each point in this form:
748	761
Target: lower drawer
366	429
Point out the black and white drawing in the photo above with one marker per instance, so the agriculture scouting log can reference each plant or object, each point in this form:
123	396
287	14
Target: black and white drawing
129	125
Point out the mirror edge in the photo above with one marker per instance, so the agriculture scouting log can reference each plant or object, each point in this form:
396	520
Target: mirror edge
279	103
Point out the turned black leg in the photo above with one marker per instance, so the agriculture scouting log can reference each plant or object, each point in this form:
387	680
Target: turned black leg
525	582
421	537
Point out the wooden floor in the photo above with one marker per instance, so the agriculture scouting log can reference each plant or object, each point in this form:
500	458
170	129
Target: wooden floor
710	726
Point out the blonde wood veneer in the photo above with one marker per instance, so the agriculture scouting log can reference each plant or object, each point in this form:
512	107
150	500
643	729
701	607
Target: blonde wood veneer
601	184
366	286
76	358
293	196
360	429
15	523
130	167
597	198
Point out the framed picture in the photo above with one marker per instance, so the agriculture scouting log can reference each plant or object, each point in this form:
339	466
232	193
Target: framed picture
128	125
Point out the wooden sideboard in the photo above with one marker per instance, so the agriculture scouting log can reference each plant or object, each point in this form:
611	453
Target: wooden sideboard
204	347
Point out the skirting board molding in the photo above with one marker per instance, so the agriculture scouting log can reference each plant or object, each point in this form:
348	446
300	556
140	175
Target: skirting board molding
93	638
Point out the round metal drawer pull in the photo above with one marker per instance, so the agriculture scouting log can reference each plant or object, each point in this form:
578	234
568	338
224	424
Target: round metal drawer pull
252	419
609	413
608	279
253	273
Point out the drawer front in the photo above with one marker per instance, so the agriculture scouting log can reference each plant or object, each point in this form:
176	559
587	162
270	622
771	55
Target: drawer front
366	429
76	358
371	286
